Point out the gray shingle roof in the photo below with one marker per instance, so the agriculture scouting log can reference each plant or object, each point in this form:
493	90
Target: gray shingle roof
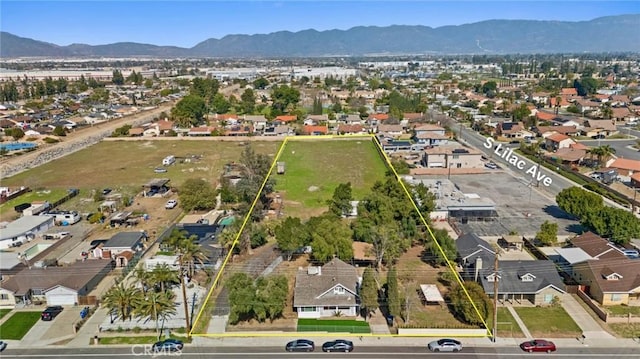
470	246
124	240
317	289
511	273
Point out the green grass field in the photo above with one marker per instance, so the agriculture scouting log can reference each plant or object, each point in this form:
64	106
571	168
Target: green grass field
322	165
623	310
131	163
333	326
507	326
18	324
551	322
50	195
4	312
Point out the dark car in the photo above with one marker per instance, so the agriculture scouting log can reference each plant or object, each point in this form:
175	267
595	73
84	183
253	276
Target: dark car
168	345
300	345
51	312
538	345
106	191
338	346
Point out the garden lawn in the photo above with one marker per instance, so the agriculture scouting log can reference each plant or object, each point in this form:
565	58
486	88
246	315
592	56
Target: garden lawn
550	321
507	326
623	310
4	312
49	195
18	324
314	168
333	326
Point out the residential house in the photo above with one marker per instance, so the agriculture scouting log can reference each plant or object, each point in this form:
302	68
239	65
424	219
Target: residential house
122	247
315	130
557	141
282	130
259	122
349	119
540	97
413	117
285	119
596	247
200	131
568	121
619	100
545	131
452	156
610	281
594	128
165	126
563	103
635	181
570	155
622	114
513	130
568	91
535	281
238	130
376	119
327	291
314	120
585	105
545	116
474	254
390	131
430	135
625	166
54	285
356	129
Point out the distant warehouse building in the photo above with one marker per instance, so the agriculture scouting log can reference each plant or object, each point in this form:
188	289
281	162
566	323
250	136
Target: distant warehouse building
23	230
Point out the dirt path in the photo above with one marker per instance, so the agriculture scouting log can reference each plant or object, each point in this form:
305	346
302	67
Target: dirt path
74	142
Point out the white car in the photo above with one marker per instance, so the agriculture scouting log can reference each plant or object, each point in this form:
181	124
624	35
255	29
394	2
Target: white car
445	345
171	204
3	345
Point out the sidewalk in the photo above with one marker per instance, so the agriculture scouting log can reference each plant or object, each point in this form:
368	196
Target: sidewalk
519	321
590	328
89	329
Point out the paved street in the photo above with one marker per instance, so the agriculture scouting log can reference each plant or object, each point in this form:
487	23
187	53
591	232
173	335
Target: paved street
413	351
620	146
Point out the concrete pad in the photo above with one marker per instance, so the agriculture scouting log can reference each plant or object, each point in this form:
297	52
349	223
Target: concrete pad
63	324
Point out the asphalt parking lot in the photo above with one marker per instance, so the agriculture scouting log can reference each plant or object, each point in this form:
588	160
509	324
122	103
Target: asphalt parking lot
521	208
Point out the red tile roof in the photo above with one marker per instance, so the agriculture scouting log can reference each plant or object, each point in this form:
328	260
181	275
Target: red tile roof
557	137
286	118
315	129
626	164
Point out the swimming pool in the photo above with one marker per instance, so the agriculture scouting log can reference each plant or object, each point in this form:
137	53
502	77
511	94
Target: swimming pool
33	251
15	146
227	221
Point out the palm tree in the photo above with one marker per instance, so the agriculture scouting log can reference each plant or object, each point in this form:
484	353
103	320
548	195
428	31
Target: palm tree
156	306
143	277
163	274
189	254
607	151
122	299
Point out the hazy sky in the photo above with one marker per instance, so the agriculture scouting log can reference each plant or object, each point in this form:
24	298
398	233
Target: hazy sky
186	23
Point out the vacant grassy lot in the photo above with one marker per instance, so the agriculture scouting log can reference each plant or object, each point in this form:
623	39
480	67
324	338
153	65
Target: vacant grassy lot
631	330
315	168
4	312
333	326
551	322
18	324
131	163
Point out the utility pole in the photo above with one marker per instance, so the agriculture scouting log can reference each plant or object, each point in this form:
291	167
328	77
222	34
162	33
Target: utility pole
495	297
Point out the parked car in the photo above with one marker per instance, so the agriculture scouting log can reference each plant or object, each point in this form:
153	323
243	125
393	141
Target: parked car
445	345
491	165
51	312
160	170
167	345
538	345
339	345
300	345
3	345
171	204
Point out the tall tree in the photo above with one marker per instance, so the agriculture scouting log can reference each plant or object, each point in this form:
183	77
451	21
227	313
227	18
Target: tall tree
241	296
155	306
270	297
163	275
368	293
117	78
248	101
291	235
578	202
474	308
282	97
197	194
340	203
330	237
189	111
394	302
442	249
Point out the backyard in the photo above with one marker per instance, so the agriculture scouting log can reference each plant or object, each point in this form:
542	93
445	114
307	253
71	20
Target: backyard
49	195
551	321
313	169
18	324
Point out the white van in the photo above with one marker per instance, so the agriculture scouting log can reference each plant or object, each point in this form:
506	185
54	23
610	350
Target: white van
169	160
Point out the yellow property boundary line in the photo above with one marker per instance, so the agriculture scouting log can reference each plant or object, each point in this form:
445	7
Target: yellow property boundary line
450	264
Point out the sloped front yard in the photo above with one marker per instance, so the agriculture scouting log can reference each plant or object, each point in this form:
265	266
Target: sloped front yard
16	326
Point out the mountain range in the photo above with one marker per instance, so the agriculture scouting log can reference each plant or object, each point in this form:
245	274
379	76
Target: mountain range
604	34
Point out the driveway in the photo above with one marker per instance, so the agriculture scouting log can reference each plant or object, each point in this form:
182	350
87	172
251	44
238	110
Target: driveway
63	324
589	326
